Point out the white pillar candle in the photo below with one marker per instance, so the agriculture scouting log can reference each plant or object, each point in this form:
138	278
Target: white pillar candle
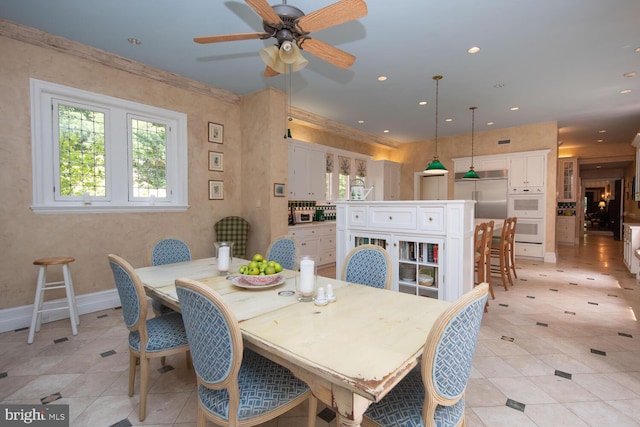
223	258
306	276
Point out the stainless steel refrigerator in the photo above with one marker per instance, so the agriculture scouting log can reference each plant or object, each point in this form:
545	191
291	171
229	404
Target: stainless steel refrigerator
489	192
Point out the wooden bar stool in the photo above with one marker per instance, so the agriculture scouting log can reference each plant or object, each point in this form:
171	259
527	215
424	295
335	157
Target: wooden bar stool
43	286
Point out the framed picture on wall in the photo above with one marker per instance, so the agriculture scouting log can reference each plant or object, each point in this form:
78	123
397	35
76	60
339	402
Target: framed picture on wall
216	190
215	132
278	190
216	161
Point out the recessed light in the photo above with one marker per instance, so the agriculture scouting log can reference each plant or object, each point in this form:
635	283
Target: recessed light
498	85
625	91
382	78
386	131
600	140
638	49
361	121
630	74
422	103
448	120
490	124
134	41
514	108
602	131
474	49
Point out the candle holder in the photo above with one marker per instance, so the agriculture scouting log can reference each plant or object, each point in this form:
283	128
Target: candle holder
306	279
224	255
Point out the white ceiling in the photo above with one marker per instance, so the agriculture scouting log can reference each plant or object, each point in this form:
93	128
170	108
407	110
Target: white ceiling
561	60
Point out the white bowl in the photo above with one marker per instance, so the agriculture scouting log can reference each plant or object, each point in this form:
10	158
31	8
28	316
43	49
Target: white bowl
425	280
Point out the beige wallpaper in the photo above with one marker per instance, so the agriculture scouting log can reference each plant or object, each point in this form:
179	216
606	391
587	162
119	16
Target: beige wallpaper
89	238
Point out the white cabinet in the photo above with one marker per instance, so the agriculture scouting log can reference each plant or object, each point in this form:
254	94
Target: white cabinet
423	238
527	173
385	176
317	240
566	229
631	239
567	179
306	172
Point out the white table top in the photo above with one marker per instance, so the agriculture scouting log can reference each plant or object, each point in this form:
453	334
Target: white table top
357	347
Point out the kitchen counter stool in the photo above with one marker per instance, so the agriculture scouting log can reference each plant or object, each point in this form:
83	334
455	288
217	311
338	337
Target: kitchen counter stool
43	286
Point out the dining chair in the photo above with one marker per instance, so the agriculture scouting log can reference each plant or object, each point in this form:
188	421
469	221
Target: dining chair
233	229
432	394
511	246
285	251
168	251
156	337
499	252
368	265
235	386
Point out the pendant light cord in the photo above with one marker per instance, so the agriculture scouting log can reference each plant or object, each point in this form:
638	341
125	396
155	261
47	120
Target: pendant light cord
473	125
437	79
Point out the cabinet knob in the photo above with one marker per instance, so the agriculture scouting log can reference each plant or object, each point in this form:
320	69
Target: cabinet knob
390	218
430	219
303	244
357	216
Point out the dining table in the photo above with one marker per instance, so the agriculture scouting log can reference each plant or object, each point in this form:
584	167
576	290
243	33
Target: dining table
350	352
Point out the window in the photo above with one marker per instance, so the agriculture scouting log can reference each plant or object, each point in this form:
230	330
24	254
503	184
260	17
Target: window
94	153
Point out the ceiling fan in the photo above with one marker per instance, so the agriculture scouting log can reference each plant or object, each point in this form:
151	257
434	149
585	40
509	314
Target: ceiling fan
291	29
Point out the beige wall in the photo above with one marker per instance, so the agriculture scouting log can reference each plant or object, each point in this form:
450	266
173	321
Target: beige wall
89	238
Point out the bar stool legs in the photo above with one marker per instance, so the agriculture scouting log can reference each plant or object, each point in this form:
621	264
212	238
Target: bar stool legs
43	286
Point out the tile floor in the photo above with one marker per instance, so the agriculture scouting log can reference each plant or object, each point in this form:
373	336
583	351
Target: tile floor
560	348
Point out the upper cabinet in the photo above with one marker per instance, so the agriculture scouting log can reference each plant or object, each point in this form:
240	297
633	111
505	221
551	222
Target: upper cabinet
527	173
567	179
385	176
307	169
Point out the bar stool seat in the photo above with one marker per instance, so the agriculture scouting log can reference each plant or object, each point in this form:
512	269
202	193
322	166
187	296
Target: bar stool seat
43	286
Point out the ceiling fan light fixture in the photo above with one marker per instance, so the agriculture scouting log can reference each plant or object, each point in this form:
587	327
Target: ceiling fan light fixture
279	59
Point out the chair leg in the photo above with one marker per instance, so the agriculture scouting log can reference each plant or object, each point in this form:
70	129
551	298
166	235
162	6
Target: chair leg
144	384
189	361
503	270
133	361
313	408
202	419
512	262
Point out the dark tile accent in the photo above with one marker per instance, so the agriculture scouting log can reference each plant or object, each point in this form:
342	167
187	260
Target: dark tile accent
506	338
622	334
570	312
591	278
123	423
327	415
102	316
513	404
523	280
3	375
598	352
546	325
563	374
503	305
542	275
531	296
21	329
612	295
553	290
59	340
561	271
572	283
117	308
629	289
165	368
51	398
592	303
108	353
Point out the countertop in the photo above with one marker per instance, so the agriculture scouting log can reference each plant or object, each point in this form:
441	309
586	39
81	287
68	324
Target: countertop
313	224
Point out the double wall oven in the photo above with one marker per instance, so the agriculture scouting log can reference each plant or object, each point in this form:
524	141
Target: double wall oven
530	210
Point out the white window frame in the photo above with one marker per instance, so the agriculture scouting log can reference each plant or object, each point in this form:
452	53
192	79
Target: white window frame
117	151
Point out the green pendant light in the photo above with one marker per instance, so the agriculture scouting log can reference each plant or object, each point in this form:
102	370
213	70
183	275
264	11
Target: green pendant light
436	167
472	174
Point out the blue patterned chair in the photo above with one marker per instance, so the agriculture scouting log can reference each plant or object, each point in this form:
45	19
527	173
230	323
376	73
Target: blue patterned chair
284	250
233	229
235	385
432	394
148	339
368	265
168	251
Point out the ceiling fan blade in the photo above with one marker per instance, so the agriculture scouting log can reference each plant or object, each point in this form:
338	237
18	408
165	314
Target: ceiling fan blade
231	37
270	72
265	11
334	14
329	53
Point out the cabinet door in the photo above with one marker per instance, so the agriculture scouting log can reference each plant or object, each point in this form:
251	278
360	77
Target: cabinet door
417	265
567	180
526	171
316	175
297	172
535	171
392	181
306	173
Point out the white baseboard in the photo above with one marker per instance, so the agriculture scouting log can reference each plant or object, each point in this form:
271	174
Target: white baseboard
20	317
